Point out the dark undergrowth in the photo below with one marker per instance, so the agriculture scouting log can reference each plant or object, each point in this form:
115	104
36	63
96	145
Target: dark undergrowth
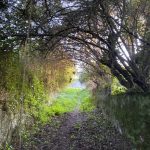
131	114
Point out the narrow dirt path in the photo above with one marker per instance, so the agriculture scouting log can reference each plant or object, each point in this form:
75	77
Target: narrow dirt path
62	139
78	131
56	135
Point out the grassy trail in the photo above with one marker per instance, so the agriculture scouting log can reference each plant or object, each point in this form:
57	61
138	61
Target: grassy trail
76	125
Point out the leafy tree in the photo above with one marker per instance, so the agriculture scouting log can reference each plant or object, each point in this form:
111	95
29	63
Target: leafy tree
114	33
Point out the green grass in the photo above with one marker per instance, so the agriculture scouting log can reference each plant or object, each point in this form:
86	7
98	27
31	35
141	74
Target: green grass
67	101
86	103
71	98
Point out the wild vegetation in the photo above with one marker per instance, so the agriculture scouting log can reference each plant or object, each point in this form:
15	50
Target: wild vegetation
40	43
127	110
114	33
26	87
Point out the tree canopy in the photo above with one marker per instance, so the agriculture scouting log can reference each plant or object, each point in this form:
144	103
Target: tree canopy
114	33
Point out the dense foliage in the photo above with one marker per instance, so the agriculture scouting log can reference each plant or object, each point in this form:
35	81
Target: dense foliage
114	33
41	40
130	114
30	84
